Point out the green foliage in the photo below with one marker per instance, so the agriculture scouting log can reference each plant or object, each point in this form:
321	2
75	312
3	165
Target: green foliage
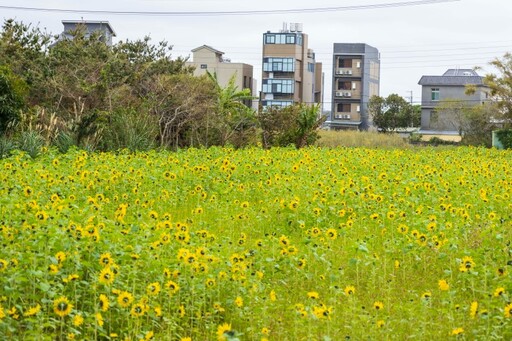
30	142
12	97
130	129
393	112
292	125
64	141
6	146
234	122
501	87
505	137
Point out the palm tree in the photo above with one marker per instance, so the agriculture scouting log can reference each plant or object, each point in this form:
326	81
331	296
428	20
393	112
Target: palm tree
233	118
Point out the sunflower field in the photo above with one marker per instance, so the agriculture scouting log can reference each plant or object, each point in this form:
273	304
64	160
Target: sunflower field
253	244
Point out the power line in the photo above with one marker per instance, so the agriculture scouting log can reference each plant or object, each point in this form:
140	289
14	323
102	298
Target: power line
235	13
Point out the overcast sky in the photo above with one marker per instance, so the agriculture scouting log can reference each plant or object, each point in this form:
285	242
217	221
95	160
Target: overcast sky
413	40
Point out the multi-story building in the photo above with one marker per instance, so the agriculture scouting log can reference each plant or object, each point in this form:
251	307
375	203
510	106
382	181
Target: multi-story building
450	87
355	78
290	72
206	58
105	30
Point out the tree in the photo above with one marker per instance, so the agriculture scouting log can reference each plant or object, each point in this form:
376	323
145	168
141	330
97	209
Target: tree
294	124
393	112
473	123
501	88
12	97
233	121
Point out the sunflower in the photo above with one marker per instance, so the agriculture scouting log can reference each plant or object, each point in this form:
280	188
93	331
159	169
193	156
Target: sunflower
349	290
104	302
3	264
106	276
378	305
457	331
224	330
473	311
78	320
499	291
153	289
313	294
210	282
124	299
172	286
466	264
62	307
443	285
331	233
61	257
106	259
138	310
33	311
239	302
99	319
508	310
426	295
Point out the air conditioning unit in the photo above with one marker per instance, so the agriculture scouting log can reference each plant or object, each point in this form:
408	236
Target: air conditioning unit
348	72
347	94
339	93
339	72
347	117
338	116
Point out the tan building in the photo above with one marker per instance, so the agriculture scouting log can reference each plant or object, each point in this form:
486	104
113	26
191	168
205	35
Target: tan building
290	72
206	58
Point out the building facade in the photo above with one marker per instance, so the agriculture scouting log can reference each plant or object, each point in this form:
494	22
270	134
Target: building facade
290	72
355	78
105	30
206	58
451	86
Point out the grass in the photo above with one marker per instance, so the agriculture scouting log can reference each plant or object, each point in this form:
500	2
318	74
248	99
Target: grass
348	138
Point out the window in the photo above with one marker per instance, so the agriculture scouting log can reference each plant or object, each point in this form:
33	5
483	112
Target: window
278	64
278	86
343	85
435	94
276	103
283	38
204	66
343	107
311	67
343	62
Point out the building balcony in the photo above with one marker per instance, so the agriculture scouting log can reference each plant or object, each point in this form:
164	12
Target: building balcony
348	72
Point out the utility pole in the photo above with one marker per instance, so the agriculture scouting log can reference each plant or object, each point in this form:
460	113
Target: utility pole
410	98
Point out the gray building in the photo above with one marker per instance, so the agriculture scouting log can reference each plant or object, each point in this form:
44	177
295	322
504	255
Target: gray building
355	78
104	29
451	86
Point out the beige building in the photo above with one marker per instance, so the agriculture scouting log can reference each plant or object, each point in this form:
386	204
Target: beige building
290	72
206	58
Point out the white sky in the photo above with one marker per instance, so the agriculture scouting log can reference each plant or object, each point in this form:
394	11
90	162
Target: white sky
413	41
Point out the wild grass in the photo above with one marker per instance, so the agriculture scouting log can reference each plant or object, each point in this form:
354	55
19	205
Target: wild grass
349	138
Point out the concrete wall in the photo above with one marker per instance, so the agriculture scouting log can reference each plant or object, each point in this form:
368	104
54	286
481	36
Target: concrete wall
439	121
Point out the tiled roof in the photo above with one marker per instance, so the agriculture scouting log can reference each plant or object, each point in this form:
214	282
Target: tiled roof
451	80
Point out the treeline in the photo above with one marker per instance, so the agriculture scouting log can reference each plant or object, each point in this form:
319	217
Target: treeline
81	92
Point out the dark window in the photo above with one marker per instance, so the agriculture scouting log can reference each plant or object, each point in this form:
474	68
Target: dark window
343	107
343	62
